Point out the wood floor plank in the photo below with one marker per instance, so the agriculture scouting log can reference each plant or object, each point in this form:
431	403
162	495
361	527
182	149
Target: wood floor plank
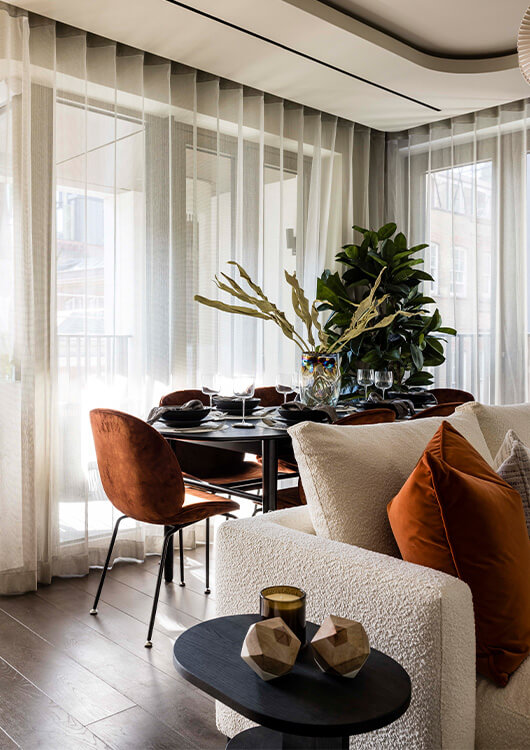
180	598
135	729
34	721
174	702
6	743
137	604
70	686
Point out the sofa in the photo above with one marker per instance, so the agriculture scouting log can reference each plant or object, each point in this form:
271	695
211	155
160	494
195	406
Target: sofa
421	617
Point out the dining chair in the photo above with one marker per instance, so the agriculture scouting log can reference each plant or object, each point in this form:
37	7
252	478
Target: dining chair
218	466
291	497
269	396
142	478
439	410
450	395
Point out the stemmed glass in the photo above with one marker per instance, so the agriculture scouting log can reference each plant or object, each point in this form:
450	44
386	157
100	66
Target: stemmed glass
243	389
284	385
210	385
365	378
384	380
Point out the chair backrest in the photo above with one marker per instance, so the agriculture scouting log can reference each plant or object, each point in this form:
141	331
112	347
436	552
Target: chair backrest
369	416
450	395
177	398
440	410
269	396
140	475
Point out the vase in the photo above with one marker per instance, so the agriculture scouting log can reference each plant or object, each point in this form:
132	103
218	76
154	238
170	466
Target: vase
320	379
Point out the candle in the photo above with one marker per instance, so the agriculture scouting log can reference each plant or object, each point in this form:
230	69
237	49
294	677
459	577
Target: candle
287	602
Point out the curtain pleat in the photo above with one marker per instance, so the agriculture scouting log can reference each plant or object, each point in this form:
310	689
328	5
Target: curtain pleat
461	186
126	183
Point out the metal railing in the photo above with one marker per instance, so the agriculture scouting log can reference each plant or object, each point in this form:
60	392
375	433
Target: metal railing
101	356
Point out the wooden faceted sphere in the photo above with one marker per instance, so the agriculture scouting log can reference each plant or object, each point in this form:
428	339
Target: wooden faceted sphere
340	646
270	648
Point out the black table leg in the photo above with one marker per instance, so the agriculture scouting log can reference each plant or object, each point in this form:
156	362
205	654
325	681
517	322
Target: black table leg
168	565
270	474
260	738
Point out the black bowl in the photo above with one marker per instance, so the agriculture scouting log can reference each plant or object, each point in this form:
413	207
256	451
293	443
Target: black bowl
184	417
294	416
234	405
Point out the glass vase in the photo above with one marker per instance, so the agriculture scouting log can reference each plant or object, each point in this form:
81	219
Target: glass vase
320	379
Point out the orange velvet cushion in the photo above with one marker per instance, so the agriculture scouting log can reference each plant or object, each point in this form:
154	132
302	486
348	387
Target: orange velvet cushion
455	514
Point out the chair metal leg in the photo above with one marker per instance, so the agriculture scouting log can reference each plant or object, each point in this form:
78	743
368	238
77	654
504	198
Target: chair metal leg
181	554
94	609
168	539
207	589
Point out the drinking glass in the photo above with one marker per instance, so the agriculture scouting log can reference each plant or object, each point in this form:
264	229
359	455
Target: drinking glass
243	389
366	378
295	384
284	384
210	385
384	380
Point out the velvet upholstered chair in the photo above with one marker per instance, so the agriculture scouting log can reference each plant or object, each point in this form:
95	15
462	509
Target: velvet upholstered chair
218	466
450	395
143	480
439	410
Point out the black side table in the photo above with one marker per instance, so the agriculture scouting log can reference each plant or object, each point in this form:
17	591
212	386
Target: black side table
303	709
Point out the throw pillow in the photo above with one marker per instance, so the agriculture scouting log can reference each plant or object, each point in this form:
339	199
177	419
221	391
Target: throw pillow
513	465
455	514
495	421
350	473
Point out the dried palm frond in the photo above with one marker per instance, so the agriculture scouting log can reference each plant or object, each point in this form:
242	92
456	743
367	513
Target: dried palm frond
363	319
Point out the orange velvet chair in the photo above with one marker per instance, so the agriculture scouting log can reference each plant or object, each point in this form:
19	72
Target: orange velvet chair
450	395
439	410
290	497
216	465
143	480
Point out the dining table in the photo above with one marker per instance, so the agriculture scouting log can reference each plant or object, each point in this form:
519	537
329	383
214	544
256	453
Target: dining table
257	439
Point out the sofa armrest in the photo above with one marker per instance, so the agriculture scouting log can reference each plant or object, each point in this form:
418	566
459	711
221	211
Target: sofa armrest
419	616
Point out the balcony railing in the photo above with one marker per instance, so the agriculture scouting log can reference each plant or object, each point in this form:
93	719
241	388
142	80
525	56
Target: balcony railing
101	356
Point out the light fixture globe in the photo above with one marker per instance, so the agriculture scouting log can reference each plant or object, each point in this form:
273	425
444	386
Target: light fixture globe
523	46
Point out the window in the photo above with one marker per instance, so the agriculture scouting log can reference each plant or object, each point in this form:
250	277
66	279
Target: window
458	278
434	261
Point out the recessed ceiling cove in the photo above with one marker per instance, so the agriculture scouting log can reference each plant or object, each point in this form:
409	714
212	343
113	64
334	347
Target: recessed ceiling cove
392	68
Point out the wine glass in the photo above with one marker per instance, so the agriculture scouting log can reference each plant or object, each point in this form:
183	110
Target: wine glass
243	389
210	385
284	384
384	380
365	377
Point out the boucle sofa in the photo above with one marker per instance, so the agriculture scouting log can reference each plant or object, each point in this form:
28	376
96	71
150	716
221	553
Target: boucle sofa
421	617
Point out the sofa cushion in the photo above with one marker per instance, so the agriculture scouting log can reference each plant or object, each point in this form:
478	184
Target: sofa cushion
455	514
350	473
512	463
495	421
503	716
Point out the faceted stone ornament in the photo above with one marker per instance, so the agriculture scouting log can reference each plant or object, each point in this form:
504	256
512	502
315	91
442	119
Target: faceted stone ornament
340	646
270	648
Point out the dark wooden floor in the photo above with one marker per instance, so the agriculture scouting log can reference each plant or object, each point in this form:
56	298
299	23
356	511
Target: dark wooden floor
70	680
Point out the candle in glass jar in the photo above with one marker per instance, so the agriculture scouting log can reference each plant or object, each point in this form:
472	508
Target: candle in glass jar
287	602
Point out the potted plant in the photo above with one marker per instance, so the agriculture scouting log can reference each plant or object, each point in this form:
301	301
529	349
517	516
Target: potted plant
322	346
383	267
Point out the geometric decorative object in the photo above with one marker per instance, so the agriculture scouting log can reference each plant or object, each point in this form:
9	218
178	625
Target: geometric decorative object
270	648
340	646
523	46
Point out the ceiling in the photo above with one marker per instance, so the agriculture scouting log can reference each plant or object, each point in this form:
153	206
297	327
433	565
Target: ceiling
459	28
309	52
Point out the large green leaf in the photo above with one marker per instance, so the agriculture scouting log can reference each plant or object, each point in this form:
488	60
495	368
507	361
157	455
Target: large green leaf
386	231
417	356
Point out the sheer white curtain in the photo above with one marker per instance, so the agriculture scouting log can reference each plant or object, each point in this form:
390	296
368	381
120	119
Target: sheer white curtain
126	183
461	186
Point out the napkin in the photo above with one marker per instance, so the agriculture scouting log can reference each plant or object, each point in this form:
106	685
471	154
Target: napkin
157	411
299	406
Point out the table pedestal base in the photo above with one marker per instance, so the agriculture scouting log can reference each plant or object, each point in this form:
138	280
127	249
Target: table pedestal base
260	738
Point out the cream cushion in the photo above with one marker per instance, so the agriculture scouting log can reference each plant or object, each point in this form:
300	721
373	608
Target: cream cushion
495	421
503	714
350	473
